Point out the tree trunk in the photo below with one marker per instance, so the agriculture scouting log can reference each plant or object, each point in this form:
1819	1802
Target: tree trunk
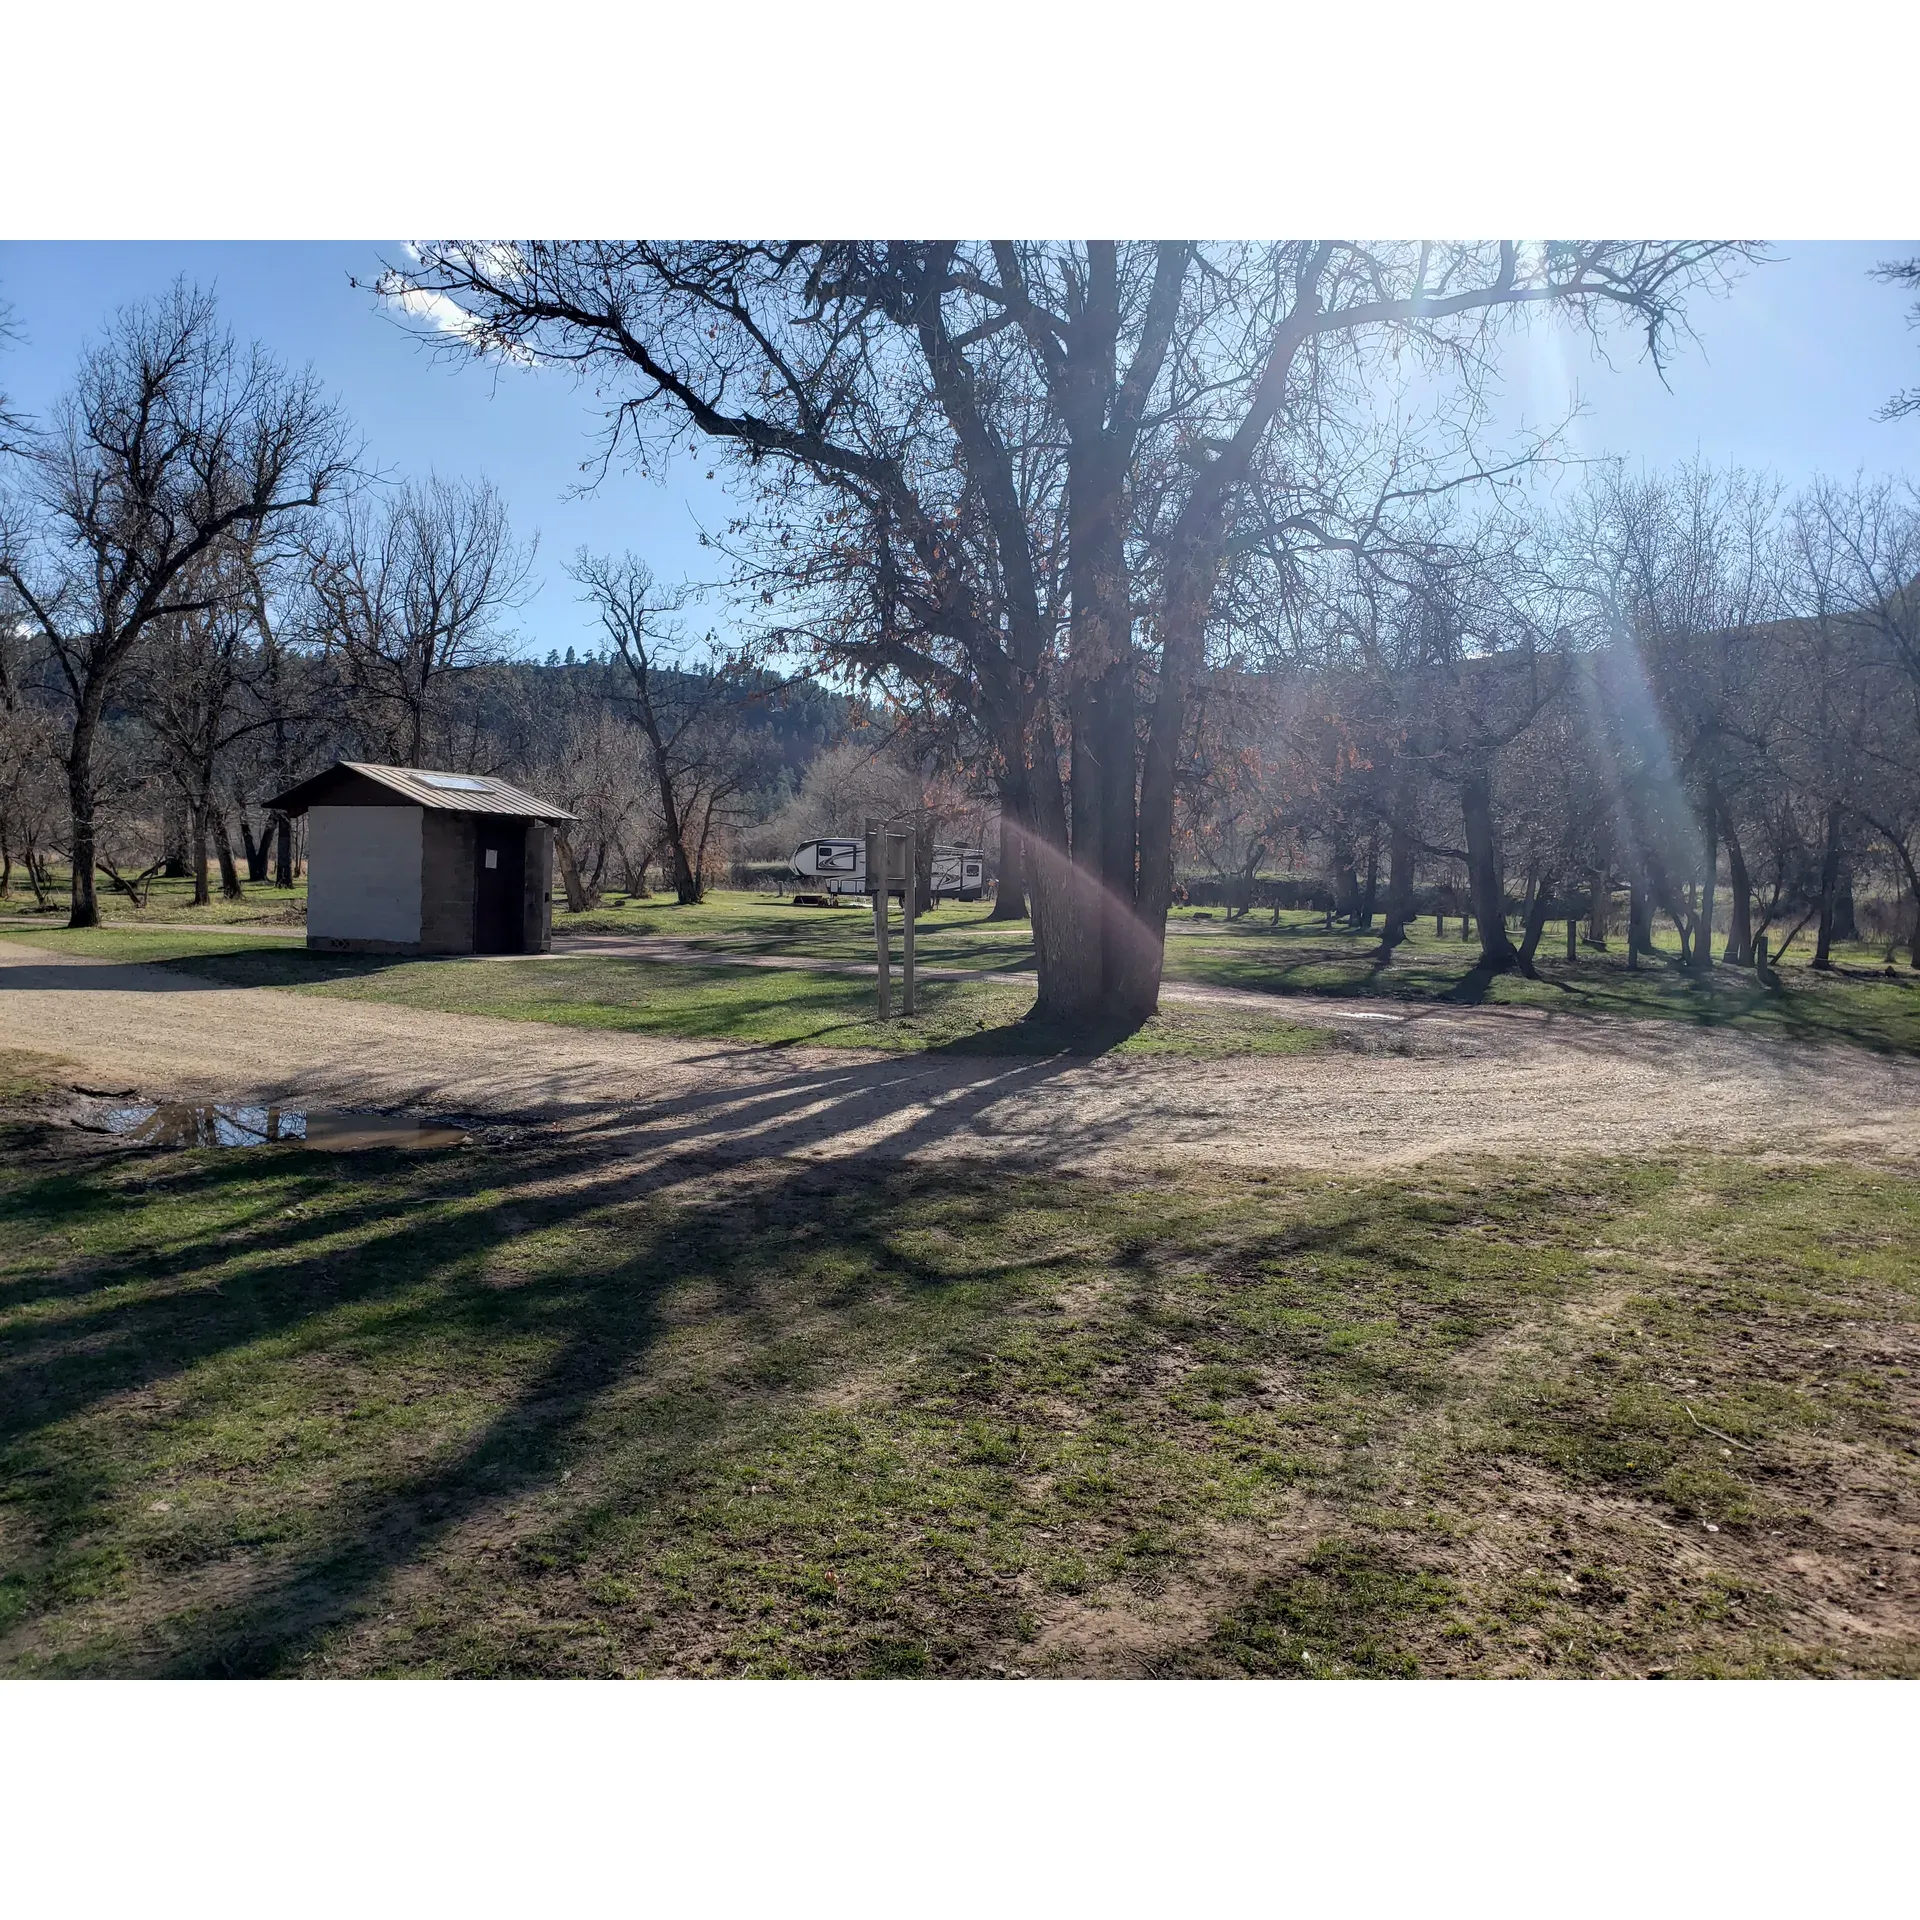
1372	879
1913	885
1739	947
1599	907
1539	904
258	851
197	842
636	873
1010	894
1100	694
1703	924
1346	885
1187	601
686	882
922	867
569	873
1399	886
177	867
230	887
1483	867
1065	906
1845	926
1639	920
86	901
282	851
1829	891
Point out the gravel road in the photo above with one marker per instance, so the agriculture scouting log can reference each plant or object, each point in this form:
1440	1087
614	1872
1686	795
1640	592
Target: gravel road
1405	1084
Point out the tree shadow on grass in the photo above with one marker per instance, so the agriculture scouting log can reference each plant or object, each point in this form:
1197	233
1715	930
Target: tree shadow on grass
239	967
415	1309
1033	1036
533	1294
283	1259
1473	986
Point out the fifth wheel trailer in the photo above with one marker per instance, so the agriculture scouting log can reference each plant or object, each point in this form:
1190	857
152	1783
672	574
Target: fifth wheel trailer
840	867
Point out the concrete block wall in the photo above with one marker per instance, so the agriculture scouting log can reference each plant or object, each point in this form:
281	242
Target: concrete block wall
365	868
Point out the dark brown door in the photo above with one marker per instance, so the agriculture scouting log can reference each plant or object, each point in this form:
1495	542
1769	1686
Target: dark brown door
499	880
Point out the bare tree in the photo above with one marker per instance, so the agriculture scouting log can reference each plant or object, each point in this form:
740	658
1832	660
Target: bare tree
594	764
15	432
172	442
1683	573
29	752
1902	273
206	681
976	419
409	590
686	708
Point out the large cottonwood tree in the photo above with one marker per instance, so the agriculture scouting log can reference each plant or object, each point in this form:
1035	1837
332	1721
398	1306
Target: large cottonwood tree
1023	466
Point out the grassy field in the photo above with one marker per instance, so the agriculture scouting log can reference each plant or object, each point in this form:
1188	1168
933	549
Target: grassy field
1864	1003
759	923
748	1006
506	1410
167	900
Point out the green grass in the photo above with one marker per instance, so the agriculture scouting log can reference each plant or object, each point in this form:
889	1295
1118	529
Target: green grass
1861	1004
515	1410
167	900
759	923
693	1001
150	945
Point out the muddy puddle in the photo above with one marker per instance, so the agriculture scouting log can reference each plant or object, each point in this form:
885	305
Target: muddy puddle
208	1124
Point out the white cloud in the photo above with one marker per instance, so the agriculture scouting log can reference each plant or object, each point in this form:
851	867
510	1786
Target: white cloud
445	314
441	310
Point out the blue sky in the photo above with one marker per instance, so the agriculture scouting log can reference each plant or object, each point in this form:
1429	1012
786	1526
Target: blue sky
1787	373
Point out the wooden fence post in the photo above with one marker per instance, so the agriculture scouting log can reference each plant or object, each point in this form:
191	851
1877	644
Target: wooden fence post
877	886
911	878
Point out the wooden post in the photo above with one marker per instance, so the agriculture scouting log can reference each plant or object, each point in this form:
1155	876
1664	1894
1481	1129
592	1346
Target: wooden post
905	843
877	886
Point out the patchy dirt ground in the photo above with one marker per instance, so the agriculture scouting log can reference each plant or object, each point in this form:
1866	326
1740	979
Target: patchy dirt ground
1406	1085
1441	1352
540	1409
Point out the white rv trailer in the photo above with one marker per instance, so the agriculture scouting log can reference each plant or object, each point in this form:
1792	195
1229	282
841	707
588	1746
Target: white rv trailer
840	867
957	872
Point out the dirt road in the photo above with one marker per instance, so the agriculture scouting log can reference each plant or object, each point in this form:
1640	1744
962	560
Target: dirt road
1406	1084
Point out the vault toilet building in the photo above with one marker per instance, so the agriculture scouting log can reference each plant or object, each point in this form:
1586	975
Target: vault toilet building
402	860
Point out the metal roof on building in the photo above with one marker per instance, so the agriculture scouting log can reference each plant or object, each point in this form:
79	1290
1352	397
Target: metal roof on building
425	787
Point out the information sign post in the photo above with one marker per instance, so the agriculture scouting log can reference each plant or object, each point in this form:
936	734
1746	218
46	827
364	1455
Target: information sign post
877	886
